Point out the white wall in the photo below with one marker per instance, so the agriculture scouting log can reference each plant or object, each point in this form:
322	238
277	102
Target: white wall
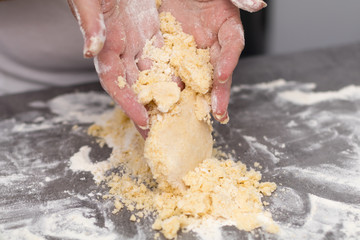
306	24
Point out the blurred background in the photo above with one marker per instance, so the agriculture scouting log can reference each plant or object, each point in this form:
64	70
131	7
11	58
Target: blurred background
291	25
41	44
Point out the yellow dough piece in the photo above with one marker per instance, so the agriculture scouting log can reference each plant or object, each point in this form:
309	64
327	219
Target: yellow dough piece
180	134
178	142
164	94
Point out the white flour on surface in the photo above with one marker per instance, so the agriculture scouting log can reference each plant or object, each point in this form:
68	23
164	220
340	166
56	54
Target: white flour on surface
81	161
308	98
65	220
211	229
317	147
335	220
256	146
311	133
272	86
343	180
26	172
80	107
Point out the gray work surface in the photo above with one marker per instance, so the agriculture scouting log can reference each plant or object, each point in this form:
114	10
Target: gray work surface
310	149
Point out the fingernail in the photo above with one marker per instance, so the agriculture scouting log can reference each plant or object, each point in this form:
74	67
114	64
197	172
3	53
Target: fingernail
219	117
226	120
219	73
264	4
223	81
95	46
87	53
144	127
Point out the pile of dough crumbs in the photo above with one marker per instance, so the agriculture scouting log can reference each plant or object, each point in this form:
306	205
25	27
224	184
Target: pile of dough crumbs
214	188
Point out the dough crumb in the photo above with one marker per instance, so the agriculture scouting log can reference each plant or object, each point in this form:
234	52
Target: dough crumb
133	218
158	3
121	82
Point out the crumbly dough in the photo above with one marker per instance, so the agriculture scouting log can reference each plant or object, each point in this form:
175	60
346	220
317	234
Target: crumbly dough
217	188
178	142
180	134
192	182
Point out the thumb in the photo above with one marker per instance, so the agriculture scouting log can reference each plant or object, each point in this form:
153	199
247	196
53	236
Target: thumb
249	5
91	21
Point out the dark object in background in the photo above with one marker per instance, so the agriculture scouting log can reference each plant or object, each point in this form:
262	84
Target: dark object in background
255	28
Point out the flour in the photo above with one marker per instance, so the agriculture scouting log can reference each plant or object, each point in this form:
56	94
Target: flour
256	146
80	161
349	93
264	86
275	85
80	107
308	205
326	217
24	127
209	229
100	67
96	41
326	159
65	223
38	104
343	180
30	165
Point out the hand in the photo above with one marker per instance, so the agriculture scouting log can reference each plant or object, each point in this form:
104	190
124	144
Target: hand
215	24
115	33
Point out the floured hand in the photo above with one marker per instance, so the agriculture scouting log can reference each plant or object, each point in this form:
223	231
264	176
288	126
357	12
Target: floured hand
115	33
215	24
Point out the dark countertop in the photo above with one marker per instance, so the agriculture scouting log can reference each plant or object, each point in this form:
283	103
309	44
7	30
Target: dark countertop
312	151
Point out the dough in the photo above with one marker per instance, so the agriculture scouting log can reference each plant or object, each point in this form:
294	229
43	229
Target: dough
180	134
192	185
178	142
218	188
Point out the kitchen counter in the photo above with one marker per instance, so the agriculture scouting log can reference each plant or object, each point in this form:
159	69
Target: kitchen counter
306	140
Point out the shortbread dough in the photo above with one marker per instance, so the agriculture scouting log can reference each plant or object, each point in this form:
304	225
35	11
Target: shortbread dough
180	134
218	188
178	142
191	185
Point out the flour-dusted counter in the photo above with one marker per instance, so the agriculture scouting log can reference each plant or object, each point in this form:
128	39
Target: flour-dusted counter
305	139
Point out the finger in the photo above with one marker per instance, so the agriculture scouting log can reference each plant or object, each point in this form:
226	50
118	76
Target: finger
109	68
178	81
144	63
132	71
226	55
90	18
231	41
249	5
220	95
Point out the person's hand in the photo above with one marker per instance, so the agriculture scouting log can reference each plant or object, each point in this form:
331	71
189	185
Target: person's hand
215	24
115	33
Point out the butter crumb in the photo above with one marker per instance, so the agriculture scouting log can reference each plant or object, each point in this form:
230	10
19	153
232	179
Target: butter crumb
170	227
121	82
133	218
